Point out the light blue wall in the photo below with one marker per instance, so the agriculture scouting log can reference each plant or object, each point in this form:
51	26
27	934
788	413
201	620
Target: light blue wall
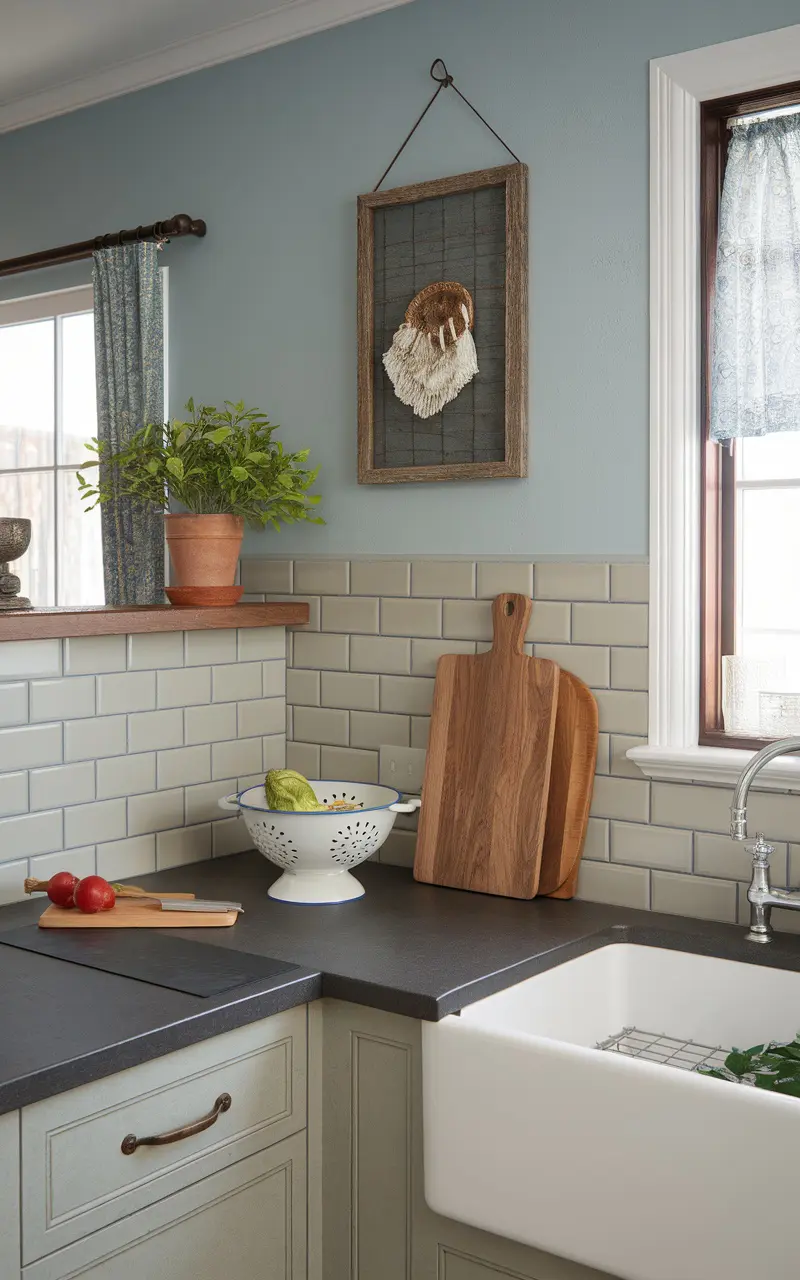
273	149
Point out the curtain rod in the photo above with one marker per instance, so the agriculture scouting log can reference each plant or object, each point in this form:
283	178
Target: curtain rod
170	229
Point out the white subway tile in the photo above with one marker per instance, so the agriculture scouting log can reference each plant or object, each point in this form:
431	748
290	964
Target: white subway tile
322	725
93	655
621	798
261	716
586	661
349	765
13	704
426	653
128	691
467	619
155	730
617	885
13	794
202	802
420	728
12	877
694	896
30	746
229	836
29	658
235	759
647	846
203	647
62	784
622	711
289	721
623	624
304	757
629	668
155	650
596	844
127	859
321	652
411	617
156	812
322	577
239	680
384	654
187	844
620	765
346	689
258	643
496	577
94	823
350	614
303	687
274	678
80	862
380	578
214	723
260	574
693	807
188	688
557	581
630	582
313	603
440	578
126	775
550	621
398	849
64	699
184	765
603	753
372	730
274	752
91	739
408	695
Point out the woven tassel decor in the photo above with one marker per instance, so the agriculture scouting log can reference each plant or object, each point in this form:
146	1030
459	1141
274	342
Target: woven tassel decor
432	356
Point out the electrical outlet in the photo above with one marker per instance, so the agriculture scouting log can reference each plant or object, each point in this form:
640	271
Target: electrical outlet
402	767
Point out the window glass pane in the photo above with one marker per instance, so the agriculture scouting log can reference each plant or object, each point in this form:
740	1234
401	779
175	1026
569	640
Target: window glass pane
26	394
775	457
30	494
78	398
79	547
770	560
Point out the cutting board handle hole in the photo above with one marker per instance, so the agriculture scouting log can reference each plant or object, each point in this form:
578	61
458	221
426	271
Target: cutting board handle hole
508	608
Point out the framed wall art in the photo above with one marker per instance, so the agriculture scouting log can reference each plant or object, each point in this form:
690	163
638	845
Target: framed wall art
443	329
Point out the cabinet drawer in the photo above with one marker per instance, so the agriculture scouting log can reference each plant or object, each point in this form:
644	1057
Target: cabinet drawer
246	1222
77	1179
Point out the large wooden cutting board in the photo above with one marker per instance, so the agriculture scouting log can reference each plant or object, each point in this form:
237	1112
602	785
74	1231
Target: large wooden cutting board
487	771
571	782
129	913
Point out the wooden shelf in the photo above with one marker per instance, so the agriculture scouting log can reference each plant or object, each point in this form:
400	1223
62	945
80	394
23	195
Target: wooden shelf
46	624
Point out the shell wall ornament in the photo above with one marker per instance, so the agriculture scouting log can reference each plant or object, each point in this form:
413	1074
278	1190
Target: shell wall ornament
432	356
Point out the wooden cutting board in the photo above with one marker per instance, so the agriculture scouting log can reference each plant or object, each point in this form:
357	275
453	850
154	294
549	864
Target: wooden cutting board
571	782
487	771
128	913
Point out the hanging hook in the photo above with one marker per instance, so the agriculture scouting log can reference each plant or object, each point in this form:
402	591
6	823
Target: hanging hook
444	80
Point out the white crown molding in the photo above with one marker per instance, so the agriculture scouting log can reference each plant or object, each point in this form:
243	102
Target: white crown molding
294	19
678	85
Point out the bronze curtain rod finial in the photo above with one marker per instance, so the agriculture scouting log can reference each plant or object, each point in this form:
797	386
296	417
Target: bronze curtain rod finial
180	224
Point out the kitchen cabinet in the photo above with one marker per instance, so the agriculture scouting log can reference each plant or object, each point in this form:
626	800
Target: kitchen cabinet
375	1222
9	1196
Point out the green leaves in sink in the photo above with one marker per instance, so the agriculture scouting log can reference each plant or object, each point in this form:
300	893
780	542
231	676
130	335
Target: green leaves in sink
770	1066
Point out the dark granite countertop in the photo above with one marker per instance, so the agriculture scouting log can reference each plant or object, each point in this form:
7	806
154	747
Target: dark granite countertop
409	948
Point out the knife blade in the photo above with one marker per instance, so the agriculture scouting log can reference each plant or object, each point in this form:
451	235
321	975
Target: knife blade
199	904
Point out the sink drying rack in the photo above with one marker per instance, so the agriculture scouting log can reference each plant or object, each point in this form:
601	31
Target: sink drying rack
686	1055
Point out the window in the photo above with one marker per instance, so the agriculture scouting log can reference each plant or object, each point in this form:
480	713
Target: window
47	413
750	627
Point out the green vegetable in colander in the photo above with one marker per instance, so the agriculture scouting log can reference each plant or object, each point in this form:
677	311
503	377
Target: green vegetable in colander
287	789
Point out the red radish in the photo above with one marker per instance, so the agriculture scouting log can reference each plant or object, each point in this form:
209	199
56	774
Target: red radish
93	894
61	887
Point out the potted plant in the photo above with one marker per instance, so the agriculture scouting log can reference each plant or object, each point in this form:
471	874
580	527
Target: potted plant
223	468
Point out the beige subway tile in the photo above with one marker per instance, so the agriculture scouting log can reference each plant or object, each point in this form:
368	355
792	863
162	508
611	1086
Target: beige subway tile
321	724
14	701
727	859
595	846
617	885
29	658
313	603
550	621
229	836
630	582
408	695
320	651
694	896
86	739
621	798
643	845
778	816
603	754
619	764
289	720
155	812
609	624
559	581
380	578
260	574
630	668
93	655
467	619
213	646
237	759
426	653
302	687
189	687
420	728
351	614
690	806
126	775
126	691
372	730
352	766
622	711
586	661
274	678
155	730
322	577
258	644
59	785
398	849
65	699
187	844
260	716
93	823
236	681
386	655
27	747
213	723
32	833
202	802
126	859
443	578
183	765
14	791
348	690
274	745
304	757
496	577
155	649
411	617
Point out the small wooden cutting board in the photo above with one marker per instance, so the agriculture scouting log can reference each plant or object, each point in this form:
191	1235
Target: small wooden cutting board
487	772
128	913
571	782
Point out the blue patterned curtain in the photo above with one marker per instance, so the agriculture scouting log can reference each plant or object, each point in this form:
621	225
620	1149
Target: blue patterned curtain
755	375
129	355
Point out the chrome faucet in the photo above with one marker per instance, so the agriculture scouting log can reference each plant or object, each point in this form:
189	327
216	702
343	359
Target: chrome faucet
761	896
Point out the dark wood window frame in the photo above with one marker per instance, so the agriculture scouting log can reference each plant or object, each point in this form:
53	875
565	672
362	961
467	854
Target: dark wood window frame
718	496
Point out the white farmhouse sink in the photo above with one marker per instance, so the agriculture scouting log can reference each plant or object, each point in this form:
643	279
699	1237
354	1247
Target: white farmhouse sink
642	1170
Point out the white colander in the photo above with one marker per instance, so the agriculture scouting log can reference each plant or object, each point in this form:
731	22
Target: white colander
316	850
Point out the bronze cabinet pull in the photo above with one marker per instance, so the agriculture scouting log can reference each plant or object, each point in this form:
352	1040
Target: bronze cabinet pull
131	1142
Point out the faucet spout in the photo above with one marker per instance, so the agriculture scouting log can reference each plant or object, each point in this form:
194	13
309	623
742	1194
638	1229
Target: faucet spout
784	747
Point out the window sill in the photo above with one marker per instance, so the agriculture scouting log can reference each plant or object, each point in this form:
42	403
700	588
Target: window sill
719	766
48	624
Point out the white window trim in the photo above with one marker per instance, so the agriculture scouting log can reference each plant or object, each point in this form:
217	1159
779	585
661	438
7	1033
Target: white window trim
678	85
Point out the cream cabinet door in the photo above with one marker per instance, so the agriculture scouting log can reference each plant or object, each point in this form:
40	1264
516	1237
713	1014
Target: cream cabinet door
9	1196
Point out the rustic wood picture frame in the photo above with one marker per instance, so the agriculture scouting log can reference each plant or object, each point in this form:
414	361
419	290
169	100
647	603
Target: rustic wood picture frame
513	179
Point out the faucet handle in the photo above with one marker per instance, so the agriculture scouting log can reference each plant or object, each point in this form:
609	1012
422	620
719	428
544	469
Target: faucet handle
760	851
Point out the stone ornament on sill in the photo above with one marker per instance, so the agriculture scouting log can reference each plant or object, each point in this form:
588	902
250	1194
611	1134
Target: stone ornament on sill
15	537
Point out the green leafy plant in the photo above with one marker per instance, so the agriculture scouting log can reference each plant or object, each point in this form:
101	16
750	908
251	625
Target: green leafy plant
772	1066
220	462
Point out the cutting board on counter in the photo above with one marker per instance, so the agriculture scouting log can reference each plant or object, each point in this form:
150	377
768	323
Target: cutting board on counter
487	771
130	913
571	782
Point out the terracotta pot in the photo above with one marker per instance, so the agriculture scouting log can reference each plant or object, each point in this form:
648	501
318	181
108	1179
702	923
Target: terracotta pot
204	549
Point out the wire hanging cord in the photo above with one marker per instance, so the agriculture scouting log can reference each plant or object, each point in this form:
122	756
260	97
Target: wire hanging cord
443	81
